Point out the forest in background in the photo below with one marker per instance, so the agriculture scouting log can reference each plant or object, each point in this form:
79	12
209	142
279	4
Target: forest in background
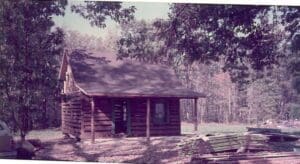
244	58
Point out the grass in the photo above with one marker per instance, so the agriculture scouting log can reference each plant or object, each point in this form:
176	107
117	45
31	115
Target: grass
211	128
44	134
186	128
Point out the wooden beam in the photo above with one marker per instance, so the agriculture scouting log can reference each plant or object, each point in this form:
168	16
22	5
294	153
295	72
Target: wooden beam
93	120
62	116
196	114
113	125
148	121
128	115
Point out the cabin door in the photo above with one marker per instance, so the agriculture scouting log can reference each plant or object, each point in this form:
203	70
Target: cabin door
120	114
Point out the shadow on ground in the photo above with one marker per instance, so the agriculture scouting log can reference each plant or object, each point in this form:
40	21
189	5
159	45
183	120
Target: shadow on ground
128	150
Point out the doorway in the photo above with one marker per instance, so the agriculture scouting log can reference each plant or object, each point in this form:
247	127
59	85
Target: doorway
121	116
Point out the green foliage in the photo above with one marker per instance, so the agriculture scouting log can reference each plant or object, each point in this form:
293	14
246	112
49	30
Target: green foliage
139	41
246	37
97	12
294	63
295	111
30	49
251	43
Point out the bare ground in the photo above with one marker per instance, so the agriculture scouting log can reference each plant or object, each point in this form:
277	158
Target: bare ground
128	150
122	150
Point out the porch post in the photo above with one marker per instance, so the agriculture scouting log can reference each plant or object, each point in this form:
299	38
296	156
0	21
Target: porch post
196	114
93	120
148	121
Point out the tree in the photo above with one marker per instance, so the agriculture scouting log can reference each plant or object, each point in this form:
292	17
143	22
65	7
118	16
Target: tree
97	12
29	52
75	40
139	41
241	35
30	49
295	62
251	43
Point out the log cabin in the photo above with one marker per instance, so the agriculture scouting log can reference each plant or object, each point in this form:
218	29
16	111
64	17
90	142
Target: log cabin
105	97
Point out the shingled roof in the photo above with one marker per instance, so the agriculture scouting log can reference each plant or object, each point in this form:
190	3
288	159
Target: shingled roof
99	74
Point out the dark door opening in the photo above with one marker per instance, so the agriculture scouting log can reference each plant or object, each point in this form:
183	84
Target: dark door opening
120	112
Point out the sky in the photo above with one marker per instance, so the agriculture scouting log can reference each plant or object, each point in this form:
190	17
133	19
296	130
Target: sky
144	10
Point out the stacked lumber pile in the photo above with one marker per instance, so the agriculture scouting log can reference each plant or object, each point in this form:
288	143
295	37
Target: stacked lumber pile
282	157
193	145
237	142
224	143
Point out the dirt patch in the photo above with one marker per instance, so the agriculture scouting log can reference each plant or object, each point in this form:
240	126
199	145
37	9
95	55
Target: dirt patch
129	150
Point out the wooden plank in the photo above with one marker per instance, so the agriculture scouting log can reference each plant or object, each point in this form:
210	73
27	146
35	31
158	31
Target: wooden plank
245	158
196	114
62	116
113	124
93	120
156	133
128	110
248	156
156	128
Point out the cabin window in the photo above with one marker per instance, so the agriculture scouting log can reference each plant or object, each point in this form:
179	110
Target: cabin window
160	112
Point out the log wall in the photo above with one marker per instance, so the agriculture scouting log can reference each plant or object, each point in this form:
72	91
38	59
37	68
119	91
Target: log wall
71	115
76	118
138	119
103	121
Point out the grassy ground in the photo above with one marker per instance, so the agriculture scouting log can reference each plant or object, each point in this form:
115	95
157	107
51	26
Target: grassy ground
128	150
210	128
186	128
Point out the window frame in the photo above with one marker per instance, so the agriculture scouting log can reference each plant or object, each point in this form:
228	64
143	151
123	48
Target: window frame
154	119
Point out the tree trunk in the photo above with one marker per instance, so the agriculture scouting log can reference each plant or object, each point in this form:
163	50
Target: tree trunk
44	123
229	104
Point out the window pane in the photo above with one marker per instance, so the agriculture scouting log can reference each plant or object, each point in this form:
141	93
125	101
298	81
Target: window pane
159	112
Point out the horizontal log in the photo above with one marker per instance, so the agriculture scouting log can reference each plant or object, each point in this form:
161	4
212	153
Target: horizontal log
156	130
98	122
71	102
88	113
71	127
87	135
99	128
71	105
247	157
72	114
99	117
173	123
72	122
155	133
97	131
234	139
168	126
70	131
